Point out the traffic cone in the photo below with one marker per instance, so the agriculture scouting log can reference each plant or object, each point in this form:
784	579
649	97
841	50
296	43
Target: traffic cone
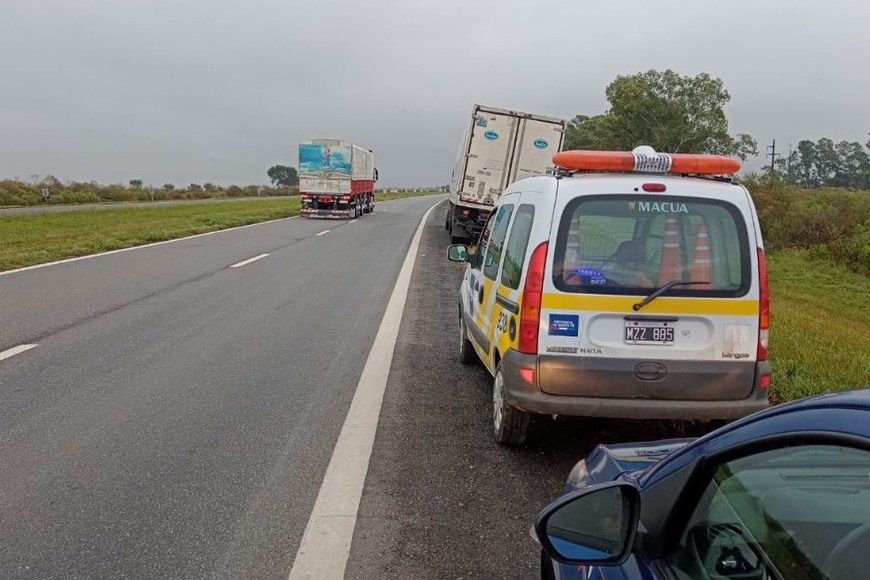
702	264
671	266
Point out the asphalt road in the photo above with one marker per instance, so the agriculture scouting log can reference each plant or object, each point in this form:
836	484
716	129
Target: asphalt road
177	416
101	206
441	499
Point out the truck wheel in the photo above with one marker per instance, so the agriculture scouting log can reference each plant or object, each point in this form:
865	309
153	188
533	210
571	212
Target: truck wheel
466	350
509	425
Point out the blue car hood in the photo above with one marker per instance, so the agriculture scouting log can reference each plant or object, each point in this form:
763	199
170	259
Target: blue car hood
623	460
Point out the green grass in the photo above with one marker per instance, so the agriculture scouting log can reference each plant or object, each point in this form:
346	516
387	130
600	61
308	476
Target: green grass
33	239
820	314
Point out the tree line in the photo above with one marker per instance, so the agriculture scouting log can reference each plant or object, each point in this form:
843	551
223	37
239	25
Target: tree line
16	192
826	164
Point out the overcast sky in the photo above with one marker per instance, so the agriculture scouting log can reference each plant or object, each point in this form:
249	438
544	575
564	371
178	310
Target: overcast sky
185	91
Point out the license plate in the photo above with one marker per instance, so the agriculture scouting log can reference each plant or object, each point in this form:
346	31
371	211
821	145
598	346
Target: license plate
649	332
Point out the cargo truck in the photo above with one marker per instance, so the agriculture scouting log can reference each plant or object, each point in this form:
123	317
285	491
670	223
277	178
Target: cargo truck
336	179
499	147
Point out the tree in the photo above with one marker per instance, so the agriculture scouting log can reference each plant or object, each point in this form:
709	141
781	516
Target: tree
168	187
210	187
283	175
670	112
136	183
194	187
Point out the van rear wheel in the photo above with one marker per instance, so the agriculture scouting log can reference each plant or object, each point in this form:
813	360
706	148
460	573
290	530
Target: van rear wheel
509	425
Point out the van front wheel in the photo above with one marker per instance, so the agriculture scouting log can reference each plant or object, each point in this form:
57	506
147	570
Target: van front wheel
509	425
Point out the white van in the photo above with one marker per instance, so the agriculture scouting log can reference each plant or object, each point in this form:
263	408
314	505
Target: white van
637	293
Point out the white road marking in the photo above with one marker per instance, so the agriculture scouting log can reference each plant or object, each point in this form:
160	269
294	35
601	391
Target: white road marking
325	545
323	232
16	350
151	245
248	261
351	222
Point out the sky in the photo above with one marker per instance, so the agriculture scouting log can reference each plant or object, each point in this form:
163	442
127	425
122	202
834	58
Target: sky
193	91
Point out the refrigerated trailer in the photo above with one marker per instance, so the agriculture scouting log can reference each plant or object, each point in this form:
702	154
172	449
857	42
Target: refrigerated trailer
498	147
336	179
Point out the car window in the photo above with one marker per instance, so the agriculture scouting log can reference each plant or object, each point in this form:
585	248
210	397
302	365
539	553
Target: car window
496	241
618	244
515	253
797	512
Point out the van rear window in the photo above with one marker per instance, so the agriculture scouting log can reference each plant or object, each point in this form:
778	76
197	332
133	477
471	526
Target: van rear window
618	244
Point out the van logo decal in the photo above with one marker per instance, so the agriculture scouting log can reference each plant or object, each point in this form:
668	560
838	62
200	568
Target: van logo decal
491	135
562	349
564	325
541	144
659	206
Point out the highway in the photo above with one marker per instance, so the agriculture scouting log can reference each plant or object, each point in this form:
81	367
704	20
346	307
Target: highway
178	414
183	400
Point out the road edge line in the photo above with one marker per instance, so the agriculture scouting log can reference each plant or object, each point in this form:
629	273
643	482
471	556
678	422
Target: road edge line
325	546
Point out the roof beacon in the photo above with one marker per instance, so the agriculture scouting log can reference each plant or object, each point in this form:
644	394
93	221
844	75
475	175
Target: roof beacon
645	159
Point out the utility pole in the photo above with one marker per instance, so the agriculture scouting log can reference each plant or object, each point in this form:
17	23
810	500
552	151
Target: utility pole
773	155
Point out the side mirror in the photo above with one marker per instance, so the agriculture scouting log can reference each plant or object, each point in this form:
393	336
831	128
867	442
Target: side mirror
592	527
457	253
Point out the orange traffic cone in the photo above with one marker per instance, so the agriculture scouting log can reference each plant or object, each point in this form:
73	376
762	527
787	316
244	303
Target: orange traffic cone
702	264
671	267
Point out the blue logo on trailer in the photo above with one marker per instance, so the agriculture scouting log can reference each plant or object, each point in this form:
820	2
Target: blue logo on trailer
541	144
564	325
491	135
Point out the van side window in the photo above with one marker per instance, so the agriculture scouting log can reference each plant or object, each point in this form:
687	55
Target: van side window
496	241
515	254
479	247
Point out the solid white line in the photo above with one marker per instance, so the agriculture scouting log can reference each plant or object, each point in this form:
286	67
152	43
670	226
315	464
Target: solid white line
151	245
16	350
248	261
323	232
325	545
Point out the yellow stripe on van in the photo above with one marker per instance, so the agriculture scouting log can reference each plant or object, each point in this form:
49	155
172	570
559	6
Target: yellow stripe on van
663	305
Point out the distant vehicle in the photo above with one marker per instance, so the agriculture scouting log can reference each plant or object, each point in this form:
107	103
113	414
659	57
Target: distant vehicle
336	179
783	494
640	294
499	147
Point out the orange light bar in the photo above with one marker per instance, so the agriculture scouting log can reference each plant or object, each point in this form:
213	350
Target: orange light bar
646	160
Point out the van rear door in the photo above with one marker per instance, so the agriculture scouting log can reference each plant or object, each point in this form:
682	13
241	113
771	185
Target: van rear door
601	334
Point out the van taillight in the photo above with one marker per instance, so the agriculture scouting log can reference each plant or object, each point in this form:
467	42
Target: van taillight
763	307
530	316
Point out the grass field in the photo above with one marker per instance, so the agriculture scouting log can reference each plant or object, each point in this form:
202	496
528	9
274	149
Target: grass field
34	239
820	314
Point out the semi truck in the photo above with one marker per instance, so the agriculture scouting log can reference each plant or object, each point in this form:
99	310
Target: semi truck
336	179
498	147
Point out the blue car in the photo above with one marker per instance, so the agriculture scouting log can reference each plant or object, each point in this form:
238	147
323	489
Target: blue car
782	494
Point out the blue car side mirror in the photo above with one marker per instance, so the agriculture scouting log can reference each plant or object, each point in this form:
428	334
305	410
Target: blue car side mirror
595	526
